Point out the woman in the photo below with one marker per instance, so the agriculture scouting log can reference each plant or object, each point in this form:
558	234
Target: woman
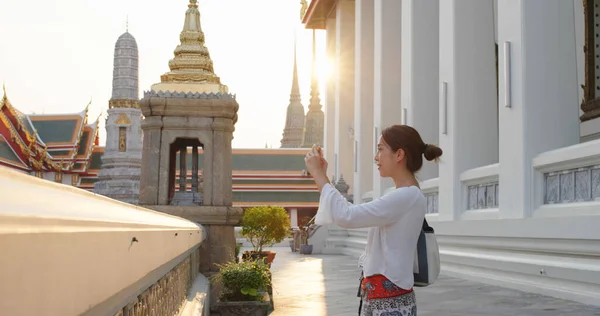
395	220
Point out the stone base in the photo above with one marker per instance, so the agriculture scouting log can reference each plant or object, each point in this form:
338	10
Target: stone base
204	215
251	308
219	245
187	199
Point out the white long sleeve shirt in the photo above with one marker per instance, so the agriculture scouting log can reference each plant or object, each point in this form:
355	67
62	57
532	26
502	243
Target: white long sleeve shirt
395	222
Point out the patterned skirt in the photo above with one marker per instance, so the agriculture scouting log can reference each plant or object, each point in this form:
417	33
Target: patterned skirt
381	297
403	305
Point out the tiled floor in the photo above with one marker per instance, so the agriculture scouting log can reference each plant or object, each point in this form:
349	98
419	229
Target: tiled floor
326	285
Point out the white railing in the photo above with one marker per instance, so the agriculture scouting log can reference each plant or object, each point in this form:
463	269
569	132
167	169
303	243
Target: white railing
67	251
430	189
480	189
552	250
567	181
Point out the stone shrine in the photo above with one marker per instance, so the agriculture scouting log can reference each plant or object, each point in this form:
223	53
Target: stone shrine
191	110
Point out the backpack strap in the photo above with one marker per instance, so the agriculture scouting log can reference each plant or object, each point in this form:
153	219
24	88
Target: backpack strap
426	227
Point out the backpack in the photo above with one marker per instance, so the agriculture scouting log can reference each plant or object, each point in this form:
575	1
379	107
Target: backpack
426	268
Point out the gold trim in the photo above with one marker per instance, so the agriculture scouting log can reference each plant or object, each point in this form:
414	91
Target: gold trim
123	120
132	104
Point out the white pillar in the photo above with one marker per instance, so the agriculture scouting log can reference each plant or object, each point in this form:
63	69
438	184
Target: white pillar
543	99
468	109
420	72
329	127
344	91
387	74
363	100
294	217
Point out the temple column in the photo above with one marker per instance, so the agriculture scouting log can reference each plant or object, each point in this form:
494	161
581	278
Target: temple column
468	99
222	161
329	124
182	169
539	97
294	217
363	100
420	72
387	76
195	169
150	175
344	91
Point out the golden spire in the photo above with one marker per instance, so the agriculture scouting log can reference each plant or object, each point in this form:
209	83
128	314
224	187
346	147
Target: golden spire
295	93
192	63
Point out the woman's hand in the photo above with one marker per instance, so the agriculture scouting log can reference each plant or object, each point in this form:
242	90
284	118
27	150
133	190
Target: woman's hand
315	163
317	166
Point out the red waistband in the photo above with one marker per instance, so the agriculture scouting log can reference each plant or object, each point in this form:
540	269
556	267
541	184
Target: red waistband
378	286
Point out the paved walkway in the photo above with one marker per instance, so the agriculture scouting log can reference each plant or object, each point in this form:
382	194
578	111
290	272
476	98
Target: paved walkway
318	285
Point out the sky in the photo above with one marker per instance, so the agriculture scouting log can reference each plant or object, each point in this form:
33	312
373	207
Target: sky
57	56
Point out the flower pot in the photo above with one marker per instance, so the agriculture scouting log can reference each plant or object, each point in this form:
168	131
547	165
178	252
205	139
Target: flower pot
270	257
250	308
254	256
306	249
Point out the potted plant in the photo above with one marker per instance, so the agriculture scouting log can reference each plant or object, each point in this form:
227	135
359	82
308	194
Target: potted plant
305	229
264	226
245	289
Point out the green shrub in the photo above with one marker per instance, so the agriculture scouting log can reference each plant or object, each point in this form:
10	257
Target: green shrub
243	281
265	226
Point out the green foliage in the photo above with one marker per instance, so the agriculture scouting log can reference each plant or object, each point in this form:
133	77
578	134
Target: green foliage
265	226
243	281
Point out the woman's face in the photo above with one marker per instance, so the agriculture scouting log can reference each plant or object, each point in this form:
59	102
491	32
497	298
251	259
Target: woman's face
386	159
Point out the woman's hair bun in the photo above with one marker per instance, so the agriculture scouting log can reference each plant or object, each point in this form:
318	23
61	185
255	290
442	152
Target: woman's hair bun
432	152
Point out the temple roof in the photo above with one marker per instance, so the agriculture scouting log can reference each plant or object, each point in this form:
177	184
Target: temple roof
22	138
47	142
9	156
59	129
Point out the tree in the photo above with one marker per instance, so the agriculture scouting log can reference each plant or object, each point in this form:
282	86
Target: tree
265	226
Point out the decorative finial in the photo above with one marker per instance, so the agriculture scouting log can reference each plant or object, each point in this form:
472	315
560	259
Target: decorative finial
192	62
127	24
303	9
4	97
